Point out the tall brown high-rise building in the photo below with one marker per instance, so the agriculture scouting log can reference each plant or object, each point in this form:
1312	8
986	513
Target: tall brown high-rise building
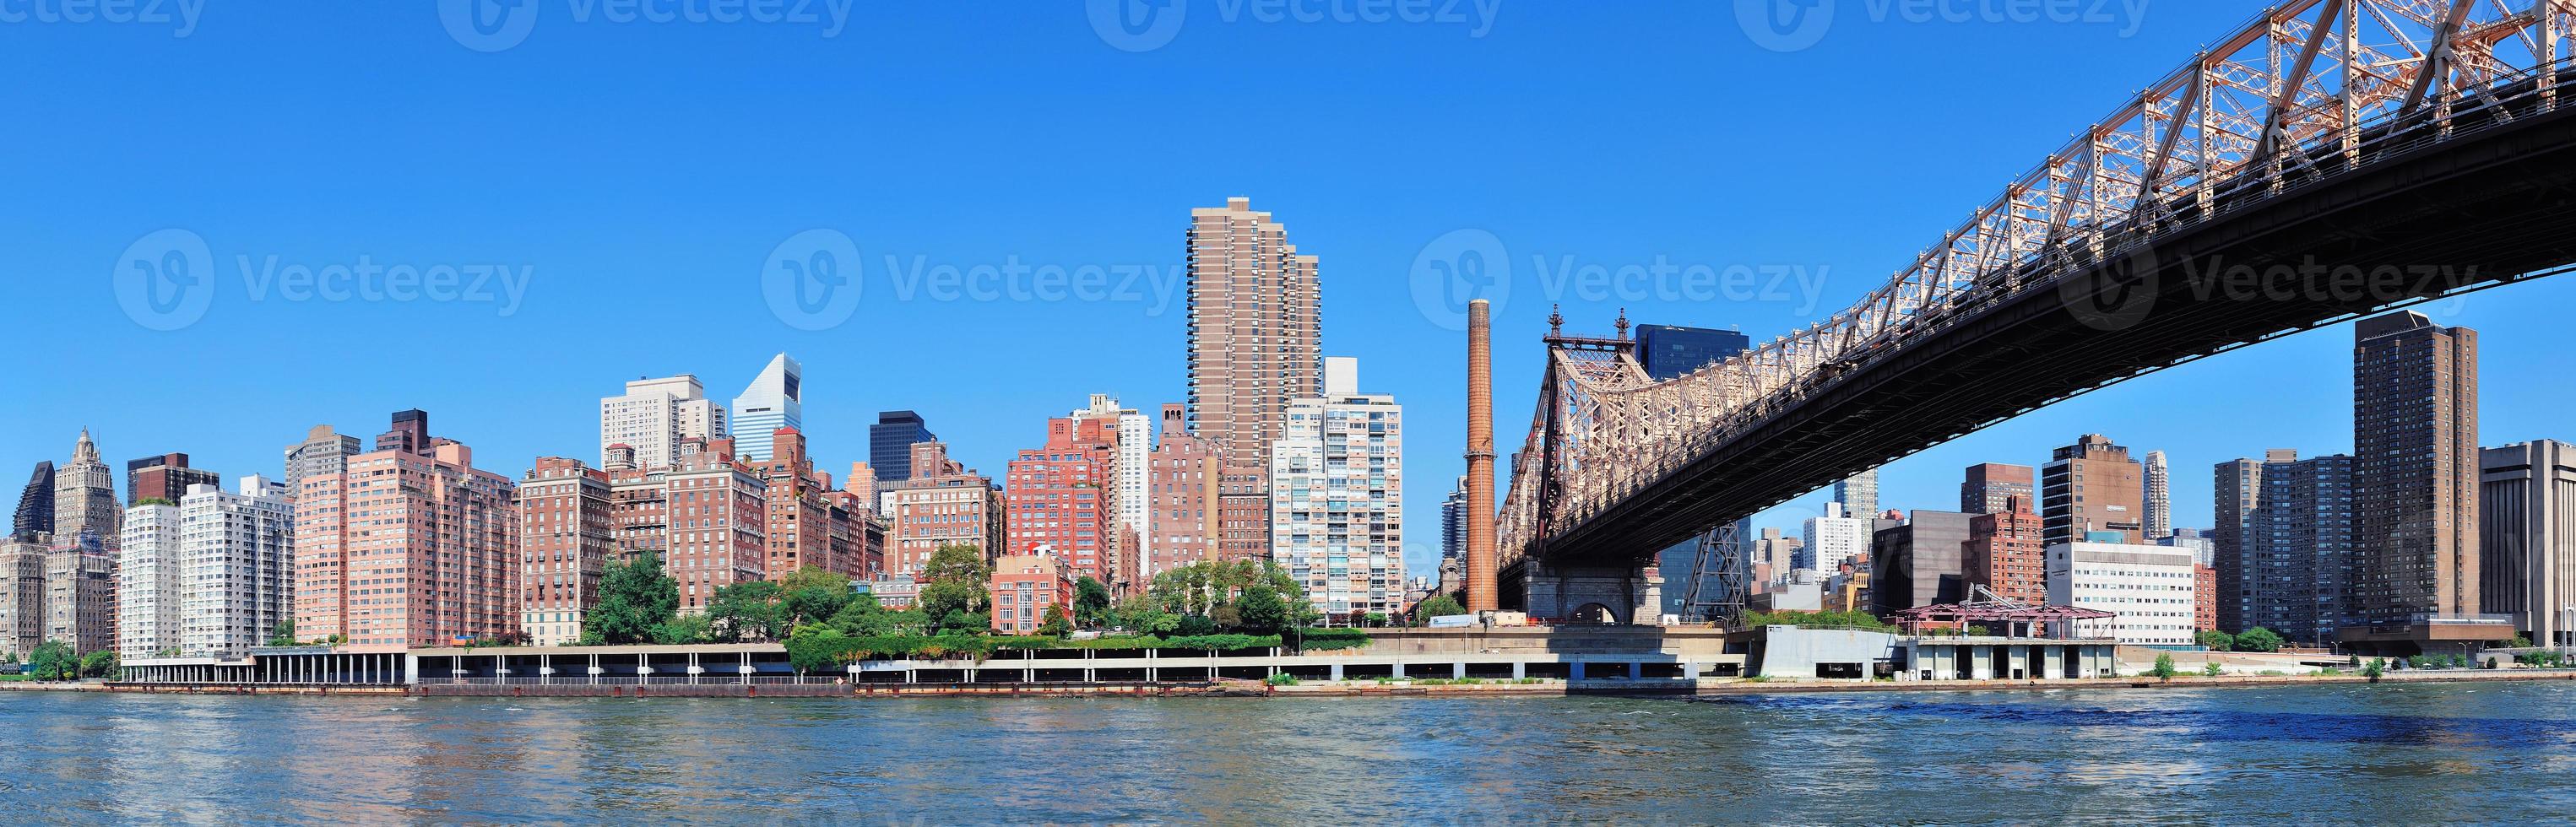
1256	329
2091	486
2003	553
2415	485
1991	487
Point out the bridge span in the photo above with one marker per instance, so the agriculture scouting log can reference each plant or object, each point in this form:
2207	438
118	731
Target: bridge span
2331	159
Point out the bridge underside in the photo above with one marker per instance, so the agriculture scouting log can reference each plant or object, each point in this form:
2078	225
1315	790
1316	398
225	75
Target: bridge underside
1611	593
2491	205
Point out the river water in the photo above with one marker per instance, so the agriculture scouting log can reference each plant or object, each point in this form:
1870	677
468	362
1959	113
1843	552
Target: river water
2388	754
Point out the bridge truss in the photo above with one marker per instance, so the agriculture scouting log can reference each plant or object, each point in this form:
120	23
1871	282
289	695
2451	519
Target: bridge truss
2306	89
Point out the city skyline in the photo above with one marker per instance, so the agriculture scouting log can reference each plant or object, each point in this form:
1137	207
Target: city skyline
1352	209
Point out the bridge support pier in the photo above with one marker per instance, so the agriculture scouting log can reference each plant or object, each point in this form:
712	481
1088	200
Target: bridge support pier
1629	595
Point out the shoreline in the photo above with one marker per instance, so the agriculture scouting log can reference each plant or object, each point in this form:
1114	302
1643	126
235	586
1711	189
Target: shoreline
1712	687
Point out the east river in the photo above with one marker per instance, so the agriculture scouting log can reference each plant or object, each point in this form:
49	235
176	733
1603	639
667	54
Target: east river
2491	752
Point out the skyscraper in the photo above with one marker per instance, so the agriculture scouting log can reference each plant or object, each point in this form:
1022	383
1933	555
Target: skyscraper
1668	351
2091	486
35	505
1256	330
321	452
407	546
2527	540
2159	522
1858	493
1337	496
2415	441
85	496
1453	538
654	415
890	444
148	581
237	566
1183	488
2283	548
1060	497
1835	538
165	477
1991	487
774	400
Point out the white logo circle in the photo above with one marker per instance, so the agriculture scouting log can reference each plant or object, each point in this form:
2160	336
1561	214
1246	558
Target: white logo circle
488	25
2116	294
811	280
1459	267
165	280
1137	25
1785	25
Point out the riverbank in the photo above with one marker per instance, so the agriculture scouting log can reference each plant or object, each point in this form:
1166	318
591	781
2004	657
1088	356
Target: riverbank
1445	688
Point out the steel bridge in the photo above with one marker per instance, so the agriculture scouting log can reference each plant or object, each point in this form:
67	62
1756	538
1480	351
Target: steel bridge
2328	160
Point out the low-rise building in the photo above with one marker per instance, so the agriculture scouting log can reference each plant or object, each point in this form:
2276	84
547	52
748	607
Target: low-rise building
2150	590
1024	586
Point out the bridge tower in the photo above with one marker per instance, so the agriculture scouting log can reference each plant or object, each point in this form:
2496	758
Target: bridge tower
1629	590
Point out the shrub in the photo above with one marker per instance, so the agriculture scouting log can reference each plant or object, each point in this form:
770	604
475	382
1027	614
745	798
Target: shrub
1281	679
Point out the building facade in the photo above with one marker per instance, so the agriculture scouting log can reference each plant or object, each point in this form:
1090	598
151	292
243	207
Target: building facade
410	546
2527	538
2004	553
1991	487
1025	586
1255	332
2159	498
80	591
1858	493
2150	589
323	451
1836	538
22	589
775	399
890	444
147	581
35	514
715	510
1184	473
1337	497
654	415
2415	481
237	565
943	503
567	533
2092	486
1920	562
85	496
166	478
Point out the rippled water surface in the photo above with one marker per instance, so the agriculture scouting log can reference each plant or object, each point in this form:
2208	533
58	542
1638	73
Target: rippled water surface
2369	754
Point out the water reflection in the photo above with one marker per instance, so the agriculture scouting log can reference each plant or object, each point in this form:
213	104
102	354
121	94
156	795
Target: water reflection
2354	753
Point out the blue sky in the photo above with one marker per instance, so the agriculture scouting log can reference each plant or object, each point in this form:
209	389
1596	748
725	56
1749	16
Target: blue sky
640	175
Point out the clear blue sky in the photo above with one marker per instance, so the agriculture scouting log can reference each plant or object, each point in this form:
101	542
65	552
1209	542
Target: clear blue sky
641	173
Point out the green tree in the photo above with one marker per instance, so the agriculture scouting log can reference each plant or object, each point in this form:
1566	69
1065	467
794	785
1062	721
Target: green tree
1439	605
812	595
2375	668
682	630
2258	639
1261	608
2164	666
2216	640
635	597
1090	602
1056	624
53	660
99	664
748	611
955	587
283	634
2211	669
2518	642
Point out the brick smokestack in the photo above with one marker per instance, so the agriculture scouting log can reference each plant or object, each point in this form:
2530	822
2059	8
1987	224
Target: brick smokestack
1481	593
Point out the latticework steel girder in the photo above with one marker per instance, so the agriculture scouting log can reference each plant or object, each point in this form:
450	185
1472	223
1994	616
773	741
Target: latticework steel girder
2300	87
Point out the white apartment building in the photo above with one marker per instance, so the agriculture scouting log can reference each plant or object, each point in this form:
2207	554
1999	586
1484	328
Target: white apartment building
147	581
2151	588
654	415
1337	496
237	565
1836	538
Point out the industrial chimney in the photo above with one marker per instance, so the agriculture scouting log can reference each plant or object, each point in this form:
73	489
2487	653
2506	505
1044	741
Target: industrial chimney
1481	593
